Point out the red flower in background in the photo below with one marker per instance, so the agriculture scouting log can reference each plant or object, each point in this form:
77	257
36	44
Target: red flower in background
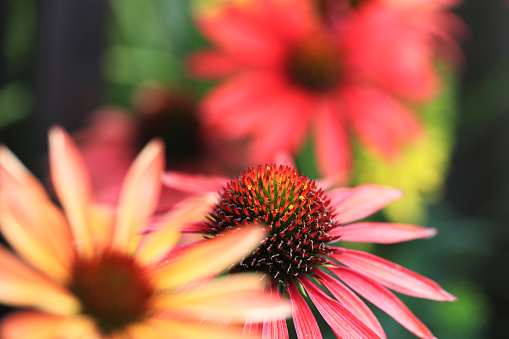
290	76
304	225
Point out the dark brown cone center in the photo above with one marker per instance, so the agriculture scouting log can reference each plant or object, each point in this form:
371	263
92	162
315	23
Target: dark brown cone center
113	289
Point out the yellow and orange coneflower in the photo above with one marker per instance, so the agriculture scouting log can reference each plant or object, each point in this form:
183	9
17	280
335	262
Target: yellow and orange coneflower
87	272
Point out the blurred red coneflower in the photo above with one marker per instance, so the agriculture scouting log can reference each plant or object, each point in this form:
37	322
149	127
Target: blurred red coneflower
290	76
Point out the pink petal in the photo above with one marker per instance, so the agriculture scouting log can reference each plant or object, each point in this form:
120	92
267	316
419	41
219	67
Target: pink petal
288	116
235	33
361	201
194	183
381	122
209	64
352	302
253	329
332	145
383	299
381	232
392	275
229	98
275	329
304	320
340	319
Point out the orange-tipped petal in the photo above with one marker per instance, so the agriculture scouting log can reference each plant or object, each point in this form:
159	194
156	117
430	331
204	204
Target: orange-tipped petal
352	302
72	184
190	210
28	219
199	330
16	172
381	232
383	299
234	298
303	319
25	226
35	325
139	195
340	319
392	275
22	286
209	257
362	201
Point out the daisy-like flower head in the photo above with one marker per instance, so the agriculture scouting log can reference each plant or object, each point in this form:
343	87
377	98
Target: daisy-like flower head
301	252
289	76
88	273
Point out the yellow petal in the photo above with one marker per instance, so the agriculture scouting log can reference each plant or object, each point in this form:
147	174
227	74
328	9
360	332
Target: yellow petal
199	330
144	331
27	231
101	221
36	325
192	209
19	174
72	184
139	195
209	257
31	223
236	298
22	286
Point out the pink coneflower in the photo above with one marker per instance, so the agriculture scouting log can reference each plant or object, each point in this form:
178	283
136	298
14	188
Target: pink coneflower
301	251
290	76
86	271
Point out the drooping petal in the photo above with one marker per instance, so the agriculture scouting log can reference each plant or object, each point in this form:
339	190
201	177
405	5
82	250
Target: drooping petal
275	329
36	325
361	201
274	326
380	121
381	232
72	184
352	302
139	195
194	183
283	129
190	210
340	319
22	286
303	319
253	328
383	299
332	145
209	257
392	275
